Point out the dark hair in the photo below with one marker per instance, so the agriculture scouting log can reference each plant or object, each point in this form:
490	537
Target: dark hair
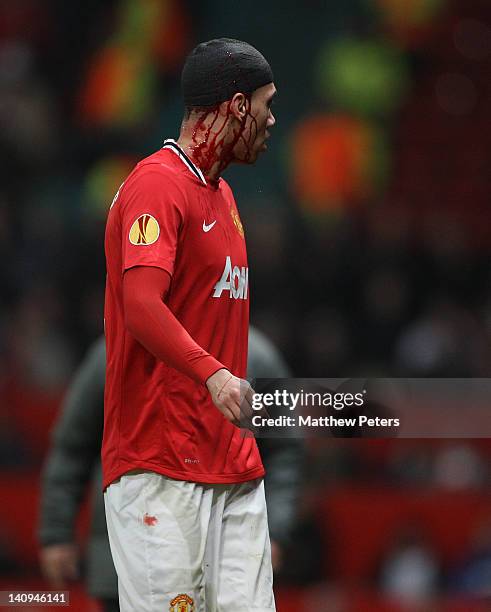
216	70
203	110
189	110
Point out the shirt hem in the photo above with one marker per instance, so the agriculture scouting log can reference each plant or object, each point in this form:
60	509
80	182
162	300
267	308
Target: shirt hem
163	264
252	474
206	367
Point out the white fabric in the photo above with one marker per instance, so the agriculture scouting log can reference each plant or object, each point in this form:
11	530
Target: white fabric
209	543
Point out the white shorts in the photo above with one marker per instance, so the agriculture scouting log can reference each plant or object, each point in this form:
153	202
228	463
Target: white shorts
181	546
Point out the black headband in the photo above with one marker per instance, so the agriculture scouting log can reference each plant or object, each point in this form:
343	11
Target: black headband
216	70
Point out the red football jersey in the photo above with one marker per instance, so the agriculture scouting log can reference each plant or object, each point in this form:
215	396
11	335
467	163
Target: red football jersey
166	215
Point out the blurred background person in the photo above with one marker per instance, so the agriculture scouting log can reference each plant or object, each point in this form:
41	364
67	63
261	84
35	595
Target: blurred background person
410	571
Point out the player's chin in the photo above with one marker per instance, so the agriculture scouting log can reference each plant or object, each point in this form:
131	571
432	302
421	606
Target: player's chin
251	156
264	145
262	148
254	156
250	159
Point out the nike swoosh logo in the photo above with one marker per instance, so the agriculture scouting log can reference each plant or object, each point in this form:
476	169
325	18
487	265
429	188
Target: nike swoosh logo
207	228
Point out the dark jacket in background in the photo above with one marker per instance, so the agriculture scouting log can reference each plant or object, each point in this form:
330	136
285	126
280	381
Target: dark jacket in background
74	461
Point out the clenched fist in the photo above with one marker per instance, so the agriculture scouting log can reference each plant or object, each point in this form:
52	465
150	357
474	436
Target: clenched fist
232	396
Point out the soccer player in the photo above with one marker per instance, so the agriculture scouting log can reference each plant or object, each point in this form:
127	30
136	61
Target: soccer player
184	490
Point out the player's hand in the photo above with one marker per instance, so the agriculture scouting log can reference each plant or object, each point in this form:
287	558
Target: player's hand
232	396
59	564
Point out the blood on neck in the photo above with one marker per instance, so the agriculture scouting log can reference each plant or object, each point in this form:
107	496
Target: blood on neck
214	139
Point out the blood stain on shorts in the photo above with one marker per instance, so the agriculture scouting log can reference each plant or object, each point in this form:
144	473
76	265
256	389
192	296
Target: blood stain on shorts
149	520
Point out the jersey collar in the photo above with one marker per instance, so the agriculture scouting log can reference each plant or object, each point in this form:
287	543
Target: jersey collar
171	144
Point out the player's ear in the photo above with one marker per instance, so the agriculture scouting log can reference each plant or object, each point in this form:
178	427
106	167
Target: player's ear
238	106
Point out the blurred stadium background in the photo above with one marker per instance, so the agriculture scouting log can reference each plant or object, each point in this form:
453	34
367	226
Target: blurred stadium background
369	235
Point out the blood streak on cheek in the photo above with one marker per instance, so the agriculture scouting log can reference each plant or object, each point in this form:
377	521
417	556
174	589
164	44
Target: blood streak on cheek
151	521
239	135
209	146
252	138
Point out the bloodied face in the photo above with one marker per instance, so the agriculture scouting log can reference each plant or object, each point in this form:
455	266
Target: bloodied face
253	130
233	131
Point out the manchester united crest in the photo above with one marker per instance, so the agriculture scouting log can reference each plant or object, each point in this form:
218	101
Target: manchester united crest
237	221
182	603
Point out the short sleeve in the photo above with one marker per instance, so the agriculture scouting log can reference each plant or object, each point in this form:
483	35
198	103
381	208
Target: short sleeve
152	214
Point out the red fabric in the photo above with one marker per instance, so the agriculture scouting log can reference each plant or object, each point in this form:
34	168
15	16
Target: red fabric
151	322
157	417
